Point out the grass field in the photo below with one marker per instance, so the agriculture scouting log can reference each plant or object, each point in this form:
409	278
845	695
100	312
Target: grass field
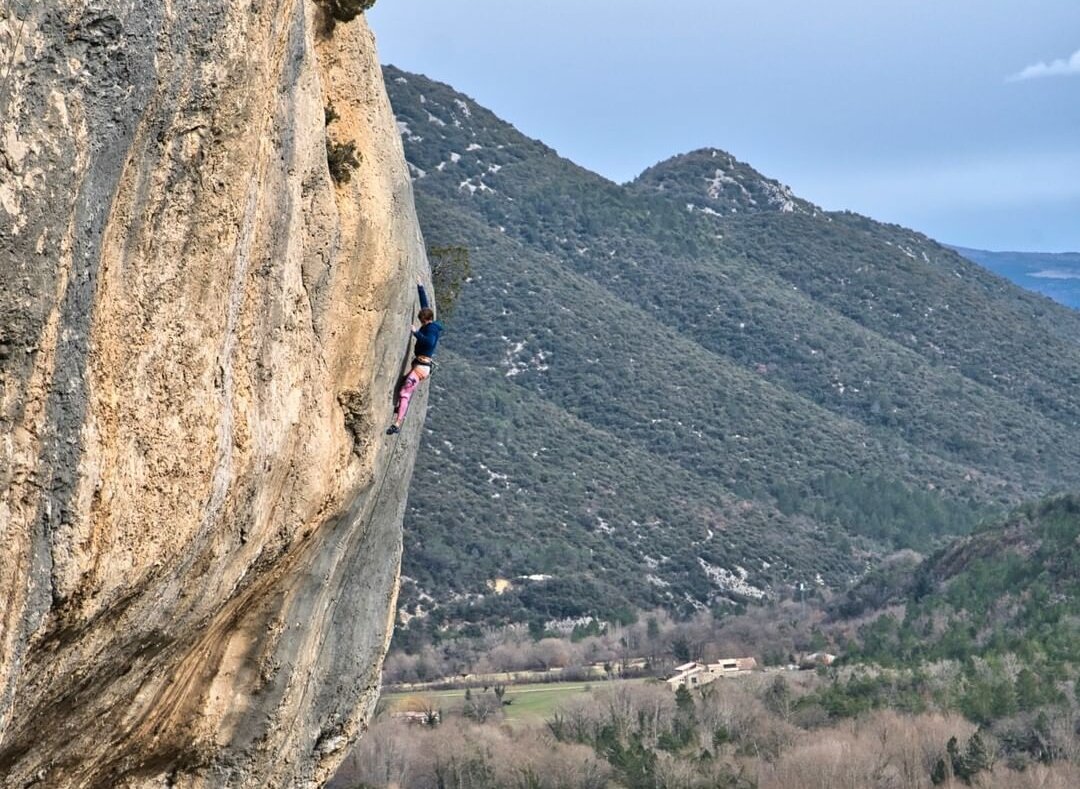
528	703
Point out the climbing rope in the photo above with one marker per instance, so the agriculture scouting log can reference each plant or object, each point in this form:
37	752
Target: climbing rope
395	439
11	65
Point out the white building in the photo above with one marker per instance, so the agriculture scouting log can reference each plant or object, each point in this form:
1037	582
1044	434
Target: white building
694	674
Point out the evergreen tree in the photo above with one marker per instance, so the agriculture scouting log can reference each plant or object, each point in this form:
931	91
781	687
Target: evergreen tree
975	755
952	748
974	760
1027	690
681	649
684	701
940	773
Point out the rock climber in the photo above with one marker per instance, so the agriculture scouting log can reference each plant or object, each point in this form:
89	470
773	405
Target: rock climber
427	337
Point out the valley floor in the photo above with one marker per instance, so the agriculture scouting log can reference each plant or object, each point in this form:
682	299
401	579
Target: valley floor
766	730
531	703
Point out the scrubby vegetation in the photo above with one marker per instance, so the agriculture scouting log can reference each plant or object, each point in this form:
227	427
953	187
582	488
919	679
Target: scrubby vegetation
775	634
346	10
759	732
450	270
341	157
1004	604
959	669
1009	587
468	756
644	401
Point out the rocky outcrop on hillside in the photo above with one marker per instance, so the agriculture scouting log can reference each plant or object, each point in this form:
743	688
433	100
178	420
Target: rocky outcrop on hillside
200	333
715	182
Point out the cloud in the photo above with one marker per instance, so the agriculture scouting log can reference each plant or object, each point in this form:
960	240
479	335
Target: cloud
1056	274
1055	68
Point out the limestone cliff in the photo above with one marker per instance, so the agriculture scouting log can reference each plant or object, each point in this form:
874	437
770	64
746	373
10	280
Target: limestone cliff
200	333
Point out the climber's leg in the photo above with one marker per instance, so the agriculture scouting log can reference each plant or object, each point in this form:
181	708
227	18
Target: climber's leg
421	370
412	380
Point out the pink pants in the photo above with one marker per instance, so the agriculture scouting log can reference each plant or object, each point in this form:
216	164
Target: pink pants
412	380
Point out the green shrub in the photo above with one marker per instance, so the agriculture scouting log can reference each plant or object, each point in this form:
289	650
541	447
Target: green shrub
450	271
329	114
342	159
346	10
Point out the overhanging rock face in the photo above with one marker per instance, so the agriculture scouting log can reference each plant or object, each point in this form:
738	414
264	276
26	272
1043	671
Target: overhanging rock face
200	334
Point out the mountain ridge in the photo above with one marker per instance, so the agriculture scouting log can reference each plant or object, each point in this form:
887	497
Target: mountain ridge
728	186
820	368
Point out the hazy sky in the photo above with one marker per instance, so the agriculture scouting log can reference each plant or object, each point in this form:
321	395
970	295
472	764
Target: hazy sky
960	118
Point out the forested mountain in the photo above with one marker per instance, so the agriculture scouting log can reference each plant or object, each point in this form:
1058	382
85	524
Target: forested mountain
696	388
1056	275
1011	588
993	618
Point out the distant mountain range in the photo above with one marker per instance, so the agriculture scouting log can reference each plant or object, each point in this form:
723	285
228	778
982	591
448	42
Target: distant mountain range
697	389
1053	275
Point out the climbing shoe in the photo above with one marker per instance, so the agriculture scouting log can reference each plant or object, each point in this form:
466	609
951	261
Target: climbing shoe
392	429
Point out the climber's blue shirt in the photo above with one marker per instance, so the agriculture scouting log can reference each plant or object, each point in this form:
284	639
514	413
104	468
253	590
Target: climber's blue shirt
427	336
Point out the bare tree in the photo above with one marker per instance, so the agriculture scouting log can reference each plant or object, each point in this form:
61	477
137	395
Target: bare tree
481	707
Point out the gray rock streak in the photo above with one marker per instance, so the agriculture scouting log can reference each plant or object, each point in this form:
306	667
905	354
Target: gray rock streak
200	335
